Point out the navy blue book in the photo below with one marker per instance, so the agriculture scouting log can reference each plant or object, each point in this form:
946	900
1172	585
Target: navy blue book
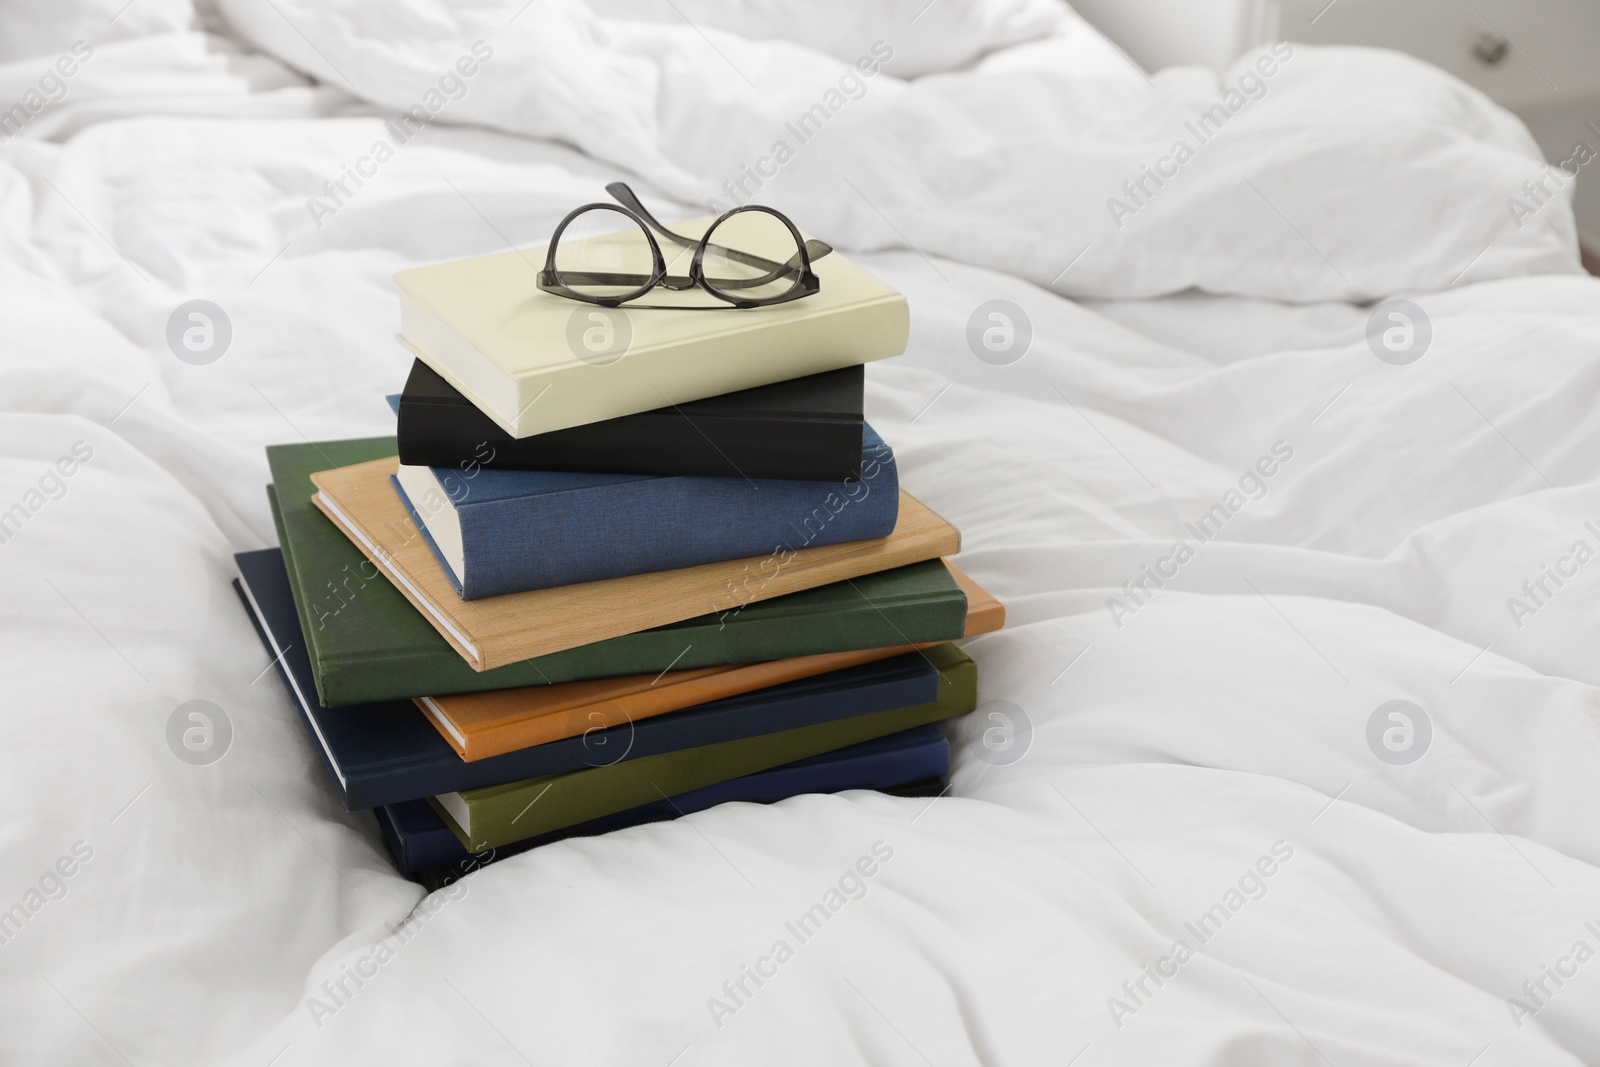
388	752
419	838
505	531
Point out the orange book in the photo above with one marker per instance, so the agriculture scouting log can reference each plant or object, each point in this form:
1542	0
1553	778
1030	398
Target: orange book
480	725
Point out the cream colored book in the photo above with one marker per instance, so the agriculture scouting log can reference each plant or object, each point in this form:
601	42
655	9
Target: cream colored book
535	362
498	630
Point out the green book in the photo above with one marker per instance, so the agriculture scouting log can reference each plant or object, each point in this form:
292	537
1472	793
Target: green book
498	815
367	643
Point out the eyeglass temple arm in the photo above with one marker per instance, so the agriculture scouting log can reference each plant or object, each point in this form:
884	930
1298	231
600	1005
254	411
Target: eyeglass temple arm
623	195
620	192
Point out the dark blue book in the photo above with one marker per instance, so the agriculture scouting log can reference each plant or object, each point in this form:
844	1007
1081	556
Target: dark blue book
419	838
388	752
508	531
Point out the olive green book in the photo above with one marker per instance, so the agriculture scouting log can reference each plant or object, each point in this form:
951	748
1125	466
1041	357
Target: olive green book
499	815
367	643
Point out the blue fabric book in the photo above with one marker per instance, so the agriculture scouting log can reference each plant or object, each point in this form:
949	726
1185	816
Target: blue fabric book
419	838
502	531
387	752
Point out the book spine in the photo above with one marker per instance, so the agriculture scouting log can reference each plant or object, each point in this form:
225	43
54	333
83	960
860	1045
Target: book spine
502	815
905	681
661	699
427	841
661	524
442	434
806	429
799	447
929	758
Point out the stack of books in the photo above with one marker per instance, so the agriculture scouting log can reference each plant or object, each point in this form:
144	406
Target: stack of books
575	594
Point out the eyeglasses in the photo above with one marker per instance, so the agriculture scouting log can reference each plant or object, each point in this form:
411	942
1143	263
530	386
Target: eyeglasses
750	257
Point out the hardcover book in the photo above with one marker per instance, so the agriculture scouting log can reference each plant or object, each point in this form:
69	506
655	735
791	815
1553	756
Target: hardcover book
501	814
368	643
383	753
496	631
420	839
497	532
807	428
479	725
535	362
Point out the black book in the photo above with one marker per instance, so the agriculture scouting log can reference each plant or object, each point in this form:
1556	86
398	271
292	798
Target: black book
805	428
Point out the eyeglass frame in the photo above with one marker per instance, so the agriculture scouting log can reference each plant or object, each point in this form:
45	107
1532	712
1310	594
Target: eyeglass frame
629	207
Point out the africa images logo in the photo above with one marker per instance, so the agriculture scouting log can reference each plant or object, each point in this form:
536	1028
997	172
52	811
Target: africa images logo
999	332
1399	732
599	336
199	732
199	332
1399	332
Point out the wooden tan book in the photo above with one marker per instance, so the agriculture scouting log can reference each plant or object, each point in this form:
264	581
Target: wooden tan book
499	630
480	725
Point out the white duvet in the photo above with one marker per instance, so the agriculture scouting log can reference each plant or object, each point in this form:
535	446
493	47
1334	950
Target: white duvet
1233	516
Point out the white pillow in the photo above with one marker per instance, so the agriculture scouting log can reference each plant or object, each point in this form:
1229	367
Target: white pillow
1344	174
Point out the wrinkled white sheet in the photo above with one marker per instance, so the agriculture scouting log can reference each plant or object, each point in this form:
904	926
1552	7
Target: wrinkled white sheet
1207	729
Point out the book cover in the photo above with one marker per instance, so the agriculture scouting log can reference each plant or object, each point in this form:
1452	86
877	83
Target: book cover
497	532
419	838
480	725
386	752
806	428
535	362
368	643
497	631
499	815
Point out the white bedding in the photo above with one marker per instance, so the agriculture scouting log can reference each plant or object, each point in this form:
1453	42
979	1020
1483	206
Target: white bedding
1200	745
